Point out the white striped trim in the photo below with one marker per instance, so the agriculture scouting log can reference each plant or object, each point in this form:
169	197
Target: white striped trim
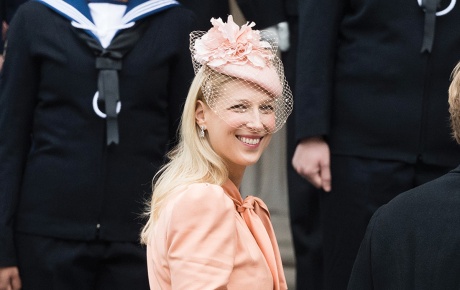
82	22
137	11
146	7
70	11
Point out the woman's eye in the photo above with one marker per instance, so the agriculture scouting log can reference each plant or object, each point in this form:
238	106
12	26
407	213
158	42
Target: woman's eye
266	109
240	108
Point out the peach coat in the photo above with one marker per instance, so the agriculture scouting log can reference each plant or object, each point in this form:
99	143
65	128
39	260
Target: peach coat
207	237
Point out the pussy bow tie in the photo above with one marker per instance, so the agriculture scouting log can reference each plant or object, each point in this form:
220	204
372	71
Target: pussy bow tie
257	217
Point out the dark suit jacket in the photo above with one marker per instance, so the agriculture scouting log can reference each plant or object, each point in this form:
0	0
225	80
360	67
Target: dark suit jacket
364	84
413	242
264	13
57	176
207	9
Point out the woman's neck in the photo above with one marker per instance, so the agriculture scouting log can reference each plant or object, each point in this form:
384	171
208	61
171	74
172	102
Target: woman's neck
236	176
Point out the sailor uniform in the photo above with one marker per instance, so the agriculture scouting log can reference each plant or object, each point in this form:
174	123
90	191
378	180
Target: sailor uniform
60	177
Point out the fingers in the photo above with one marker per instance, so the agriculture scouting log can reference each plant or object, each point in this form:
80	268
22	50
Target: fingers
9	279
311	160
4	279
315	179
308	171
326	177
16	283
320	178
319	175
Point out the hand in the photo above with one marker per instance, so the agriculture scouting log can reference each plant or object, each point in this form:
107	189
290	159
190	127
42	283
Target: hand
4	30
311	160
9	278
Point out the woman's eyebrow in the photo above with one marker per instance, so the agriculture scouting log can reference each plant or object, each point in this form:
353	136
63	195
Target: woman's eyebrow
242	101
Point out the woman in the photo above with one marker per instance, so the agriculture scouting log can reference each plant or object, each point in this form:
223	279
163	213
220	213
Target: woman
201	234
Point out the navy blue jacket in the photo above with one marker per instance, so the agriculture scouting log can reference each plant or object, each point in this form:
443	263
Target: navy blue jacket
58	177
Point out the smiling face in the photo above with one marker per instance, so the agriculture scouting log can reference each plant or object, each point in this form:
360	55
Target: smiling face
239	125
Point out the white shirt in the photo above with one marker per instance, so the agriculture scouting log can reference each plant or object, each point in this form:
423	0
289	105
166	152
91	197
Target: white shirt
107	18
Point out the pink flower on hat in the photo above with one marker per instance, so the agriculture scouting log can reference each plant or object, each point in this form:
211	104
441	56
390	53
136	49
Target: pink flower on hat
227	43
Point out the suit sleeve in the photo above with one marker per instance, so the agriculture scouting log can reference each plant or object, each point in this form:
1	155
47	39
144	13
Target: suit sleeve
18	83
202	239
182	74
318	37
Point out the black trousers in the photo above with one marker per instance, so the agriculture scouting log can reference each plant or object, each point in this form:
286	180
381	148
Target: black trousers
303	197
306	232
359	187
54	264
305	222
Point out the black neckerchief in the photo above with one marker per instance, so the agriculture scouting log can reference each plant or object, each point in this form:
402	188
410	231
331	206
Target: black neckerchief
109	62
429	7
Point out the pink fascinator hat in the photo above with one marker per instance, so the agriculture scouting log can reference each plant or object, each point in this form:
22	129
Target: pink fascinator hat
245	54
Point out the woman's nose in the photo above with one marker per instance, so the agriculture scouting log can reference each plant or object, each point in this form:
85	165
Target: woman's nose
255	121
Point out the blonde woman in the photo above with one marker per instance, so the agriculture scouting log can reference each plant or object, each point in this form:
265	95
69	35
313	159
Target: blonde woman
201	233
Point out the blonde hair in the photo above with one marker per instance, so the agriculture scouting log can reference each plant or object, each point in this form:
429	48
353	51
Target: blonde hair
191	161
454	102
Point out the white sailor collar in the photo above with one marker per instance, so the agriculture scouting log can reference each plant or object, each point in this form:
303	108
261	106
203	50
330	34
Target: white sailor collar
77	11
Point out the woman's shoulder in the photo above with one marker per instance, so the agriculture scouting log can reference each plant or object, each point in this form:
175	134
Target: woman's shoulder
197	205
202	196
201	191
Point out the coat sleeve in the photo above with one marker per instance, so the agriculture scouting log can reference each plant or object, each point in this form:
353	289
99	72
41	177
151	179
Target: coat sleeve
18	85
181	74
202	239
318	37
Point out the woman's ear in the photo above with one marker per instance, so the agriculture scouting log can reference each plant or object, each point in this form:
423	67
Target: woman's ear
200	117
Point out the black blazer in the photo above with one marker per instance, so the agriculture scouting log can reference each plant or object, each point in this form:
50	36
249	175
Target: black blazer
58	177
207	9
264	13
413	242
363	83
